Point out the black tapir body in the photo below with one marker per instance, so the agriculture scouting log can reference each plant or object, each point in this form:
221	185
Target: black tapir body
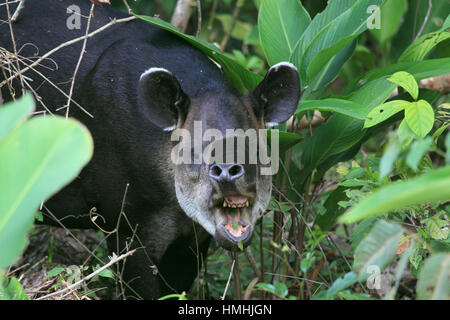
140	84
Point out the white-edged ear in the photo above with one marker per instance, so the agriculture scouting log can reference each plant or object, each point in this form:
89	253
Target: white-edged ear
154	69
271	124
277	95
171	128
275	67
161	98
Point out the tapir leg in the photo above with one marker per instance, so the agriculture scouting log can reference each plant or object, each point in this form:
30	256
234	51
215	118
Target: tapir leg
147	277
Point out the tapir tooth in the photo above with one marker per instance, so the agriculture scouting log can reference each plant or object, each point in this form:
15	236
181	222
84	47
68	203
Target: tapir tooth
224	204
246	203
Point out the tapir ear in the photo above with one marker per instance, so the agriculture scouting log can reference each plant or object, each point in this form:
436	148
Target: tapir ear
161	95
278	94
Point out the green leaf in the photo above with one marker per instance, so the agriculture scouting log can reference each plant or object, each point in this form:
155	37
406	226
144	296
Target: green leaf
11	289
407	82
434	278
420	48
338	285
326	64
335	33
286	139
322	20
106	274
420	70
38	158
378	248
349	108
384	111
389	156
361	230
281	23
447	147
420	117
13	113
54	272
332	68
417	151
333	210
436	228
430	187
403	262
391	14
238	76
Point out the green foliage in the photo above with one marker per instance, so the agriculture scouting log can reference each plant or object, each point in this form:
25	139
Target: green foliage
407	82
341	106
434	279
430	187
10	289
50	152
281	23
378	248
40	156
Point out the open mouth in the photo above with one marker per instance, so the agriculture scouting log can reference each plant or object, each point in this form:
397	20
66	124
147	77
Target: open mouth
234	227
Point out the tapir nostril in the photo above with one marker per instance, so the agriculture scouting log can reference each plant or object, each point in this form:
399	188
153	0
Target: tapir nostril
224	172
215	171
236	171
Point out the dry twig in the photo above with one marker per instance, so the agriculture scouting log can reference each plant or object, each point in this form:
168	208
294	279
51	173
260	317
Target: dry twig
90	276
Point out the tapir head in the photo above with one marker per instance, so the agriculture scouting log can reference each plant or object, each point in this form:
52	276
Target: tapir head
221	181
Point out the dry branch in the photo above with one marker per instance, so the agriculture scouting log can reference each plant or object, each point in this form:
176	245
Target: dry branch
90	276
181	14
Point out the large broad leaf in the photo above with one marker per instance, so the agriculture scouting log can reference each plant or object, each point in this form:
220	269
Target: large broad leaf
281	23
384	111
286	140
434	278
349	108
12	114
38	158
237	75
430	187
377	249
333	10
420	117
335	56
407	82
330	36
420	70
420	48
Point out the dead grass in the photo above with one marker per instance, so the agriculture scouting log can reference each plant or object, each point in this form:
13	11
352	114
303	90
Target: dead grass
52	247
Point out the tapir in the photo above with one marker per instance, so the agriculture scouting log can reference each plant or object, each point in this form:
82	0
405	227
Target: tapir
135	86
